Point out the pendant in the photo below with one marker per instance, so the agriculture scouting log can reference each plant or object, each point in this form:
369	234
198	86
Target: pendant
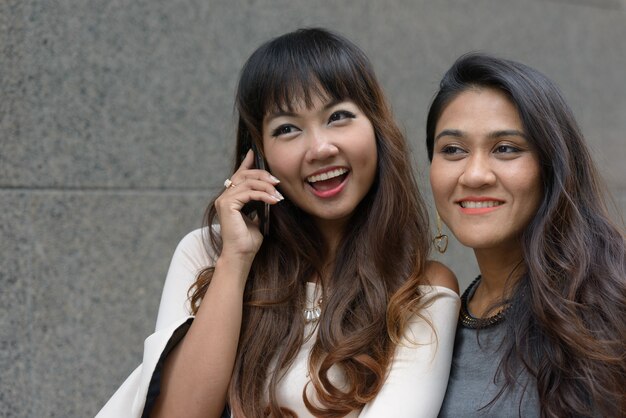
312	314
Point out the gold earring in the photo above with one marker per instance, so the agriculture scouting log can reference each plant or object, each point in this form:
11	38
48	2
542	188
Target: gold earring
441	240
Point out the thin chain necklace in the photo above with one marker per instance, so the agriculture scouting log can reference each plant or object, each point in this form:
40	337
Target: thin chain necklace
469	321
312	313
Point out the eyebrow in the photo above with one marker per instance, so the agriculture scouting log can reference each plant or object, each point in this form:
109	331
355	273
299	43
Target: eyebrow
495	134
288	113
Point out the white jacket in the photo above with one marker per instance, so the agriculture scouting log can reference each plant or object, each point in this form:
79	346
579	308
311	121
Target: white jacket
415	385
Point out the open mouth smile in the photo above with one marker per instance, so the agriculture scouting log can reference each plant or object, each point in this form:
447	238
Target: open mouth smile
468	204
479	205
328	183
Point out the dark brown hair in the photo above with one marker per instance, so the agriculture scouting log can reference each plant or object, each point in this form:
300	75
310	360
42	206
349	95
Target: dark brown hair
378	265
567	321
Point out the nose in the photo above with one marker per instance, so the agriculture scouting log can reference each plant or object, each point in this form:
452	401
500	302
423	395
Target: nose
477	172
320	146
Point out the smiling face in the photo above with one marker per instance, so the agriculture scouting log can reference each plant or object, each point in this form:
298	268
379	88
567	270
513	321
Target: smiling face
325	157
484	175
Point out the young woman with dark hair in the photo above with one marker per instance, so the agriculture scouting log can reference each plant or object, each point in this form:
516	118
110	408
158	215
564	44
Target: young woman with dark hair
542	330
336	311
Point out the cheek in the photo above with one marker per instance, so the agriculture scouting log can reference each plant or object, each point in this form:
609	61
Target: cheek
363	145
534	196
530	185
281	161
370	158
530	194
283	170
290	182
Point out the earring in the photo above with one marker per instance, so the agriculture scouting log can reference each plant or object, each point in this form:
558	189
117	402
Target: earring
441	240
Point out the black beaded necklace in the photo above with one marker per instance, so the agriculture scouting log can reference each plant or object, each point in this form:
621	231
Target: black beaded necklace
469	321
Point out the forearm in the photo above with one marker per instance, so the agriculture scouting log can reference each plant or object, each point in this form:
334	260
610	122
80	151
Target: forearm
197	372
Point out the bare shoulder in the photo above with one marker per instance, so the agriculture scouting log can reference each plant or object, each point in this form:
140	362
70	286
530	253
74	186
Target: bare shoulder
438	274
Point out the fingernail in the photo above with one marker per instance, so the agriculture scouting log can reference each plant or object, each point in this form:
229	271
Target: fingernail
274	179
279	196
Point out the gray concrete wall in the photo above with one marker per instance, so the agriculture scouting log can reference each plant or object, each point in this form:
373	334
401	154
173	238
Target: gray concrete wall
116	128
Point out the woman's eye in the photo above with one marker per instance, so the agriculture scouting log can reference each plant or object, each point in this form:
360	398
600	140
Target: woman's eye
283	130
451	150
506	149
341	115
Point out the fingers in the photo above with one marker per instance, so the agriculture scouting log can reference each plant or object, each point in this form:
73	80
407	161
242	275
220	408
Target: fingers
245	185
253	189
234	198
241	176
240	233
247	171
248	160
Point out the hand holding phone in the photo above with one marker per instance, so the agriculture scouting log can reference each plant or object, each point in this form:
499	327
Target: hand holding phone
262	209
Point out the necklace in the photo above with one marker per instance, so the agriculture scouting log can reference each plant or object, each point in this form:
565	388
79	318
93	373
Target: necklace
313	313
469	321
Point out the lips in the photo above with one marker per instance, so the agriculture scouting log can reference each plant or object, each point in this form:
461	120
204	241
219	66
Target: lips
479	205
329	182
329	174
468	204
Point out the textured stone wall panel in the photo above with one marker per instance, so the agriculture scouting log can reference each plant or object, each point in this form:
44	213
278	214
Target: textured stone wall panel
116	128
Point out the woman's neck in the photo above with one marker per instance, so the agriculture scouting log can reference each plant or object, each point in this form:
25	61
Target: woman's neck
499	271
332	232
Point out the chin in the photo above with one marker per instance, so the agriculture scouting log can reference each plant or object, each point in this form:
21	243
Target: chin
476	243
333	217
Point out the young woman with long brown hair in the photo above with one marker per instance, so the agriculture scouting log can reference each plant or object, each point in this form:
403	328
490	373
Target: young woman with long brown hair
336	311
542	330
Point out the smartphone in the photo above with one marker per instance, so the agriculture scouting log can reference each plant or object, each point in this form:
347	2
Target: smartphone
262	209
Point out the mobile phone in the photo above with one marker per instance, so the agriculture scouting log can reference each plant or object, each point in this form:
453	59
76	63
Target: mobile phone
262	209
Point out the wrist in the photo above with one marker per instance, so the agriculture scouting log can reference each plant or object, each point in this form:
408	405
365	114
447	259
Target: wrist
236	267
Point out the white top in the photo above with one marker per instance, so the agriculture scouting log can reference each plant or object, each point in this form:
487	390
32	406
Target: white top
417	379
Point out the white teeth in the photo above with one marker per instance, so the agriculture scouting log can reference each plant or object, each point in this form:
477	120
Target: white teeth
476	205
327	175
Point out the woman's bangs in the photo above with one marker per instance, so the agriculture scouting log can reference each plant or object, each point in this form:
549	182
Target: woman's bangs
303	81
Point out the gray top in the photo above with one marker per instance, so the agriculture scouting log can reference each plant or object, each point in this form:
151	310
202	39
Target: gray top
471	385
473	381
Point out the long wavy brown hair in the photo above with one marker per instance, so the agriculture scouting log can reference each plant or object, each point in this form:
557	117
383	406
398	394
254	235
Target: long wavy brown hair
567	320
379	263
